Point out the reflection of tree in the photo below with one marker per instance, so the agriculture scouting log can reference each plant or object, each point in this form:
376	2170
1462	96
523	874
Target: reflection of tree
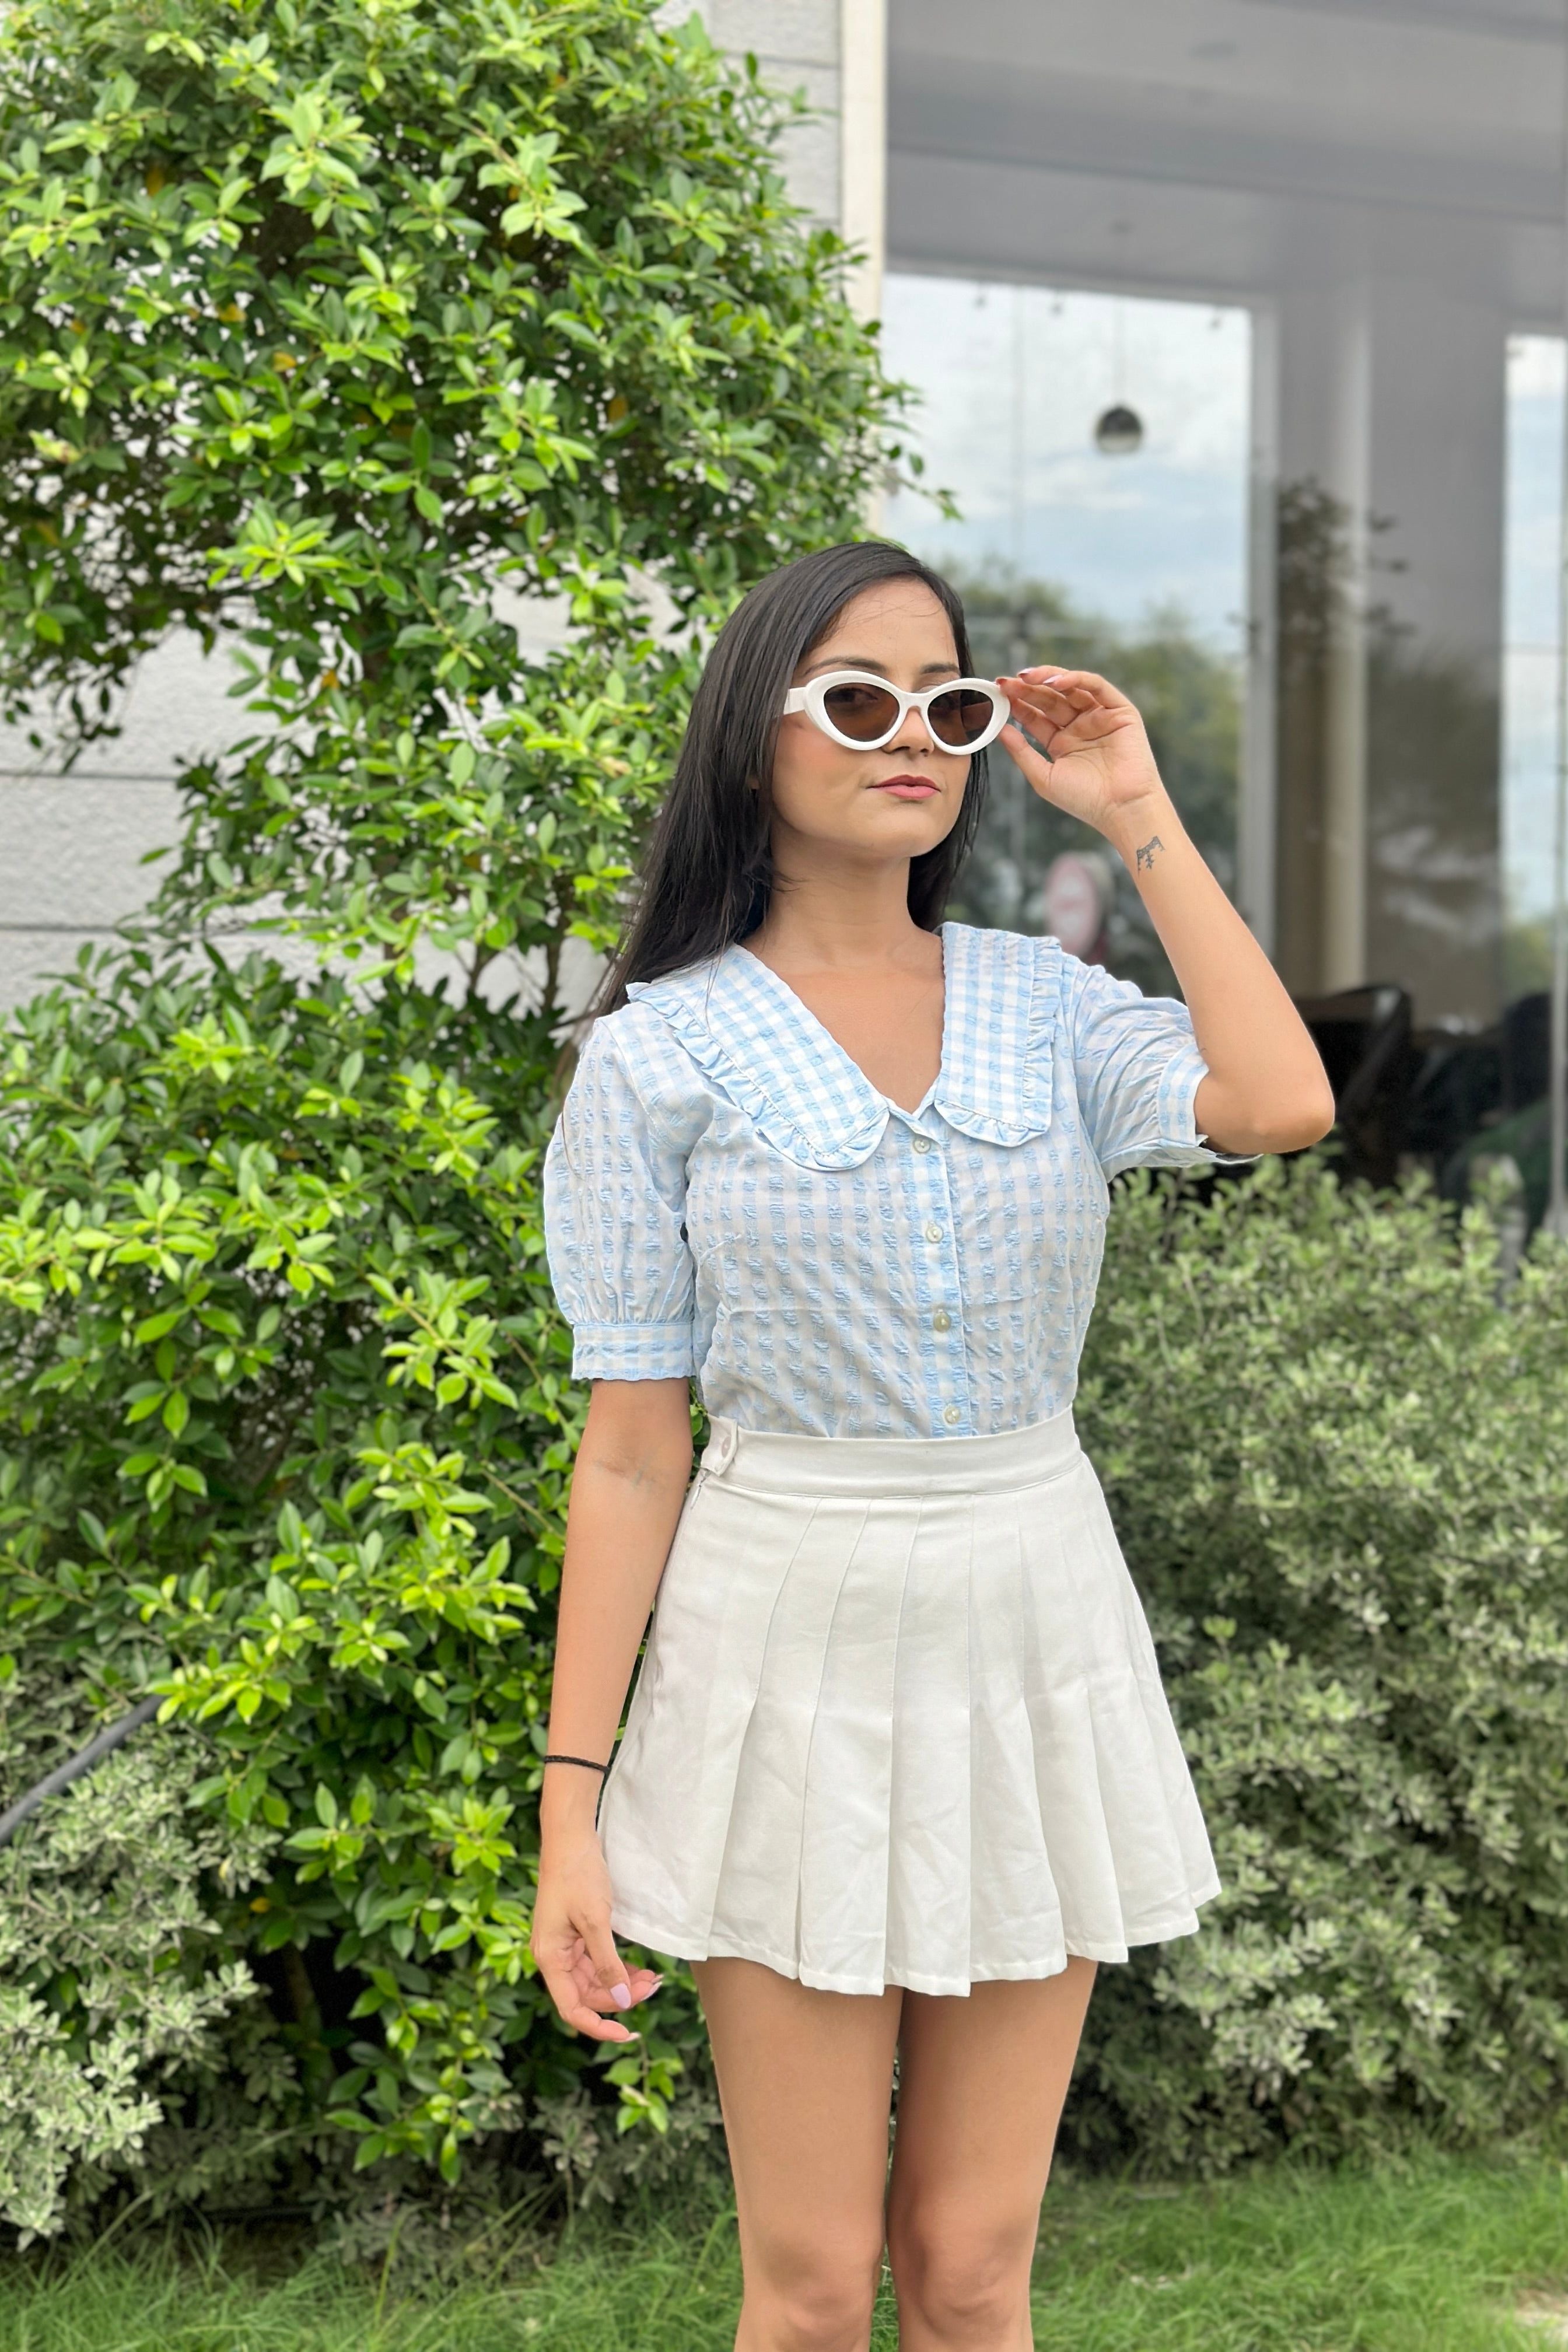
1190	699
1432	758
1315	574
1431	735
1431	745
1527	957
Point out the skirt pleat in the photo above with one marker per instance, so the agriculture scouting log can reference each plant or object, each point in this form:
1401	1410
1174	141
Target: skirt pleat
900	1721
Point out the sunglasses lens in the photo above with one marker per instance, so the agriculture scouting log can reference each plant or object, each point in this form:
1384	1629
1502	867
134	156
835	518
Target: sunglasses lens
864	712
961	717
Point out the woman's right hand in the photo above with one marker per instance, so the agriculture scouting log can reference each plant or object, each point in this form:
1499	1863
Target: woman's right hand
573	1949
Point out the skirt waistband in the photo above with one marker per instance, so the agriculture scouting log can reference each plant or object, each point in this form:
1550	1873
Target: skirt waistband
775	1462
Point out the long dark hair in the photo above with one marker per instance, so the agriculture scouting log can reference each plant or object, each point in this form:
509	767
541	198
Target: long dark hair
707	877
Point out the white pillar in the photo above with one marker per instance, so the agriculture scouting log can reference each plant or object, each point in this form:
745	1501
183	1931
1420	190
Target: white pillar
1349	423
1257	814
1322	449
1438	330
863	145
1391	406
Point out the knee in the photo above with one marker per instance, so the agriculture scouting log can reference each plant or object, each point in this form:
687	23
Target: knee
813	2298
965	2277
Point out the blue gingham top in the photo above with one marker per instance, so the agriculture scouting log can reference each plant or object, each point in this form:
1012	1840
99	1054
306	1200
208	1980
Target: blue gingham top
727	1198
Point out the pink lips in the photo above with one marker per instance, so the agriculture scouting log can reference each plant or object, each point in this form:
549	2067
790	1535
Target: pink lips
907	788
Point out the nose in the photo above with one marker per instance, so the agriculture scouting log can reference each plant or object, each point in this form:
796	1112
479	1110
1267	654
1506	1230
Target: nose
914	735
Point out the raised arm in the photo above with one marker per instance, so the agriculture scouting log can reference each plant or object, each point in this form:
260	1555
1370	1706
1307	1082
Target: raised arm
626	1492
1265	1089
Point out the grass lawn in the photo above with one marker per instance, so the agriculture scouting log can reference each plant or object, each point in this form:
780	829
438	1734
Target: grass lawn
1438	2255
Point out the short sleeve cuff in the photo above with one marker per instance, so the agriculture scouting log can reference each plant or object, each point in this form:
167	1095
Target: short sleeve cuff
633	1351
1175	1102
1176	1142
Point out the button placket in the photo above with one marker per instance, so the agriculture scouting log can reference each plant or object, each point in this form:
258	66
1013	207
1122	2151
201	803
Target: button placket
947	1376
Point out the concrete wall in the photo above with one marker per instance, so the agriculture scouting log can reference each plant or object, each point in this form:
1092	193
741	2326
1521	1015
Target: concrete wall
74	845
796	45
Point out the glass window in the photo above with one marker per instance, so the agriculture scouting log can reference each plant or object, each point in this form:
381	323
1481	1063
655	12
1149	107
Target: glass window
1316	247
1532	622
1097	447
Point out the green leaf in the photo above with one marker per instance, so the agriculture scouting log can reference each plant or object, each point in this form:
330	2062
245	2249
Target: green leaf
156	1325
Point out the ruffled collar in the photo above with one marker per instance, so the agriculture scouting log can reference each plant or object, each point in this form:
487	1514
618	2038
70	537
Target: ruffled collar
761	1047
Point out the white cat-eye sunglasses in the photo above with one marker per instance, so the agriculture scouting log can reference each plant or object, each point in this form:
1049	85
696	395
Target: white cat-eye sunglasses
863	712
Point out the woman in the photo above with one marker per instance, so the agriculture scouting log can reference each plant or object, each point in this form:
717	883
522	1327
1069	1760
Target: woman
898	1771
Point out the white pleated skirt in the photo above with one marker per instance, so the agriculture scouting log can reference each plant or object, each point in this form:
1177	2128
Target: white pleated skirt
900	1721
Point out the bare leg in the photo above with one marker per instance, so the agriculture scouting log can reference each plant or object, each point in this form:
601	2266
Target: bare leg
981	2081
806	2083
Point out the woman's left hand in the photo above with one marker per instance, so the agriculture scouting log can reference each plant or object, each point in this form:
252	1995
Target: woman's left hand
1265	1089
1100	768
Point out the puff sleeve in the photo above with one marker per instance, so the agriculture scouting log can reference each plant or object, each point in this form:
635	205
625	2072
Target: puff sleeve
614	1207
1137	1069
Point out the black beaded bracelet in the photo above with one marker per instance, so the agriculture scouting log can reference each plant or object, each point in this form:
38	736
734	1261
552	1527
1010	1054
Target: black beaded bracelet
586	1761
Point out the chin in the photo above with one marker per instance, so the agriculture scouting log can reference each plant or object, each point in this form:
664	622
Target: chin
914	826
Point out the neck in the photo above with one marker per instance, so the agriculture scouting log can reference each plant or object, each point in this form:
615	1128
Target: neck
838	916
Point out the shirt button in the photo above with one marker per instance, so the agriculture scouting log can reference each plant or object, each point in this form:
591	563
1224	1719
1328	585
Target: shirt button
941	1320
952	1415
933	1233
924	1143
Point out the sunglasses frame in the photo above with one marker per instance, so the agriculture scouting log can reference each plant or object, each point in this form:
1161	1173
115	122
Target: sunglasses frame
812	699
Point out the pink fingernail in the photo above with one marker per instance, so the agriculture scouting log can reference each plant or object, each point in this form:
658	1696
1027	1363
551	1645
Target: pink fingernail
621	1995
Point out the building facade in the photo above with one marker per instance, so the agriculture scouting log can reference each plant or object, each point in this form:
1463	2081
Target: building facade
1311	253
1377	188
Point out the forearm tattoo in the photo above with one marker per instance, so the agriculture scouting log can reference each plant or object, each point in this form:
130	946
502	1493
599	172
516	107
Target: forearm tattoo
1146	854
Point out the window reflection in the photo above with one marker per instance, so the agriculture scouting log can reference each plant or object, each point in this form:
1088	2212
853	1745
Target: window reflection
1531	618
1098	449
1316	249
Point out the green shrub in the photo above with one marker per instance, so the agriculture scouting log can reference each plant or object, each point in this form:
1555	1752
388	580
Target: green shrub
259	1433
1338	1460
107	1984
329	327
288	1423
322	322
